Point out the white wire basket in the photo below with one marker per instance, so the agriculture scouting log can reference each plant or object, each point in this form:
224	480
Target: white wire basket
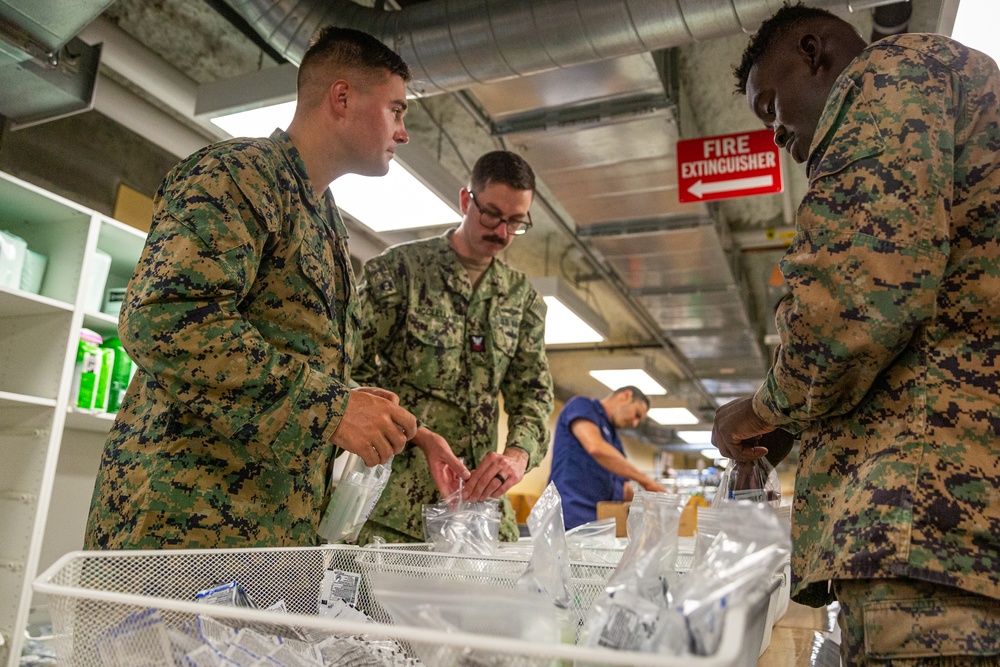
91	592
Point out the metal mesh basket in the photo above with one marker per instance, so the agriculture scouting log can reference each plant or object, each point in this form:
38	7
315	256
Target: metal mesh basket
90	592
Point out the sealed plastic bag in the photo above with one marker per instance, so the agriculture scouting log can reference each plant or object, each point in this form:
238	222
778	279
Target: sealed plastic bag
736	567
458	527
626	616
353	500
548	568
755	481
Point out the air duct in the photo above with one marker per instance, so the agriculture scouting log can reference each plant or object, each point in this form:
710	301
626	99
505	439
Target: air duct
44	72
451	44
891	19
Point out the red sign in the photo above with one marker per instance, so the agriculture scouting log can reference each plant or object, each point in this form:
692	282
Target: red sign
727	166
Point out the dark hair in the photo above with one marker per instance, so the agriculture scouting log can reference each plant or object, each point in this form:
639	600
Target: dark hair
347	49
768	33
503	167
637	394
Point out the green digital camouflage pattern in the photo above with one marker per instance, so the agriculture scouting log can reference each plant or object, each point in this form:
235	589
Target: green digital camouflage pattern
889	361
449	352
242	317
912	623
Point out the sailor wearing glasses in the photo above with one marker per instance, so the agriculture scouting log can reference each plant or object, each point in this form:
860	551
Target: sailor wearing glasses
449	327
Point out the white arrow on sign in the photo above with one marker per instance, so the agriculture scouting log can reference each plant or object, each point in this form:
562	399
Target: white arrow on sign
699	188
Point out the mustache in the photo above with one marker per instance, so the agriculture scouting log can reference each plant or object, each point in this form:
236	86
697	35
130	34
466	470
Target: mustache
494	239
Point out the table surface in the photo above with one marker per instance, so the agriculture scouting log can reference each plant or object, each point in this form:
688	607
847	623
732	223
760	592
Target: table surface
803	637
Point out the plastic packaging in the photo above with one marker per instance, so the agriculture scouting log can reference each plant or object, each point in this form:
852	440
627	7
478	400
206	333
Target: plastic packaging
96	279
121	373
33	271
104	380
87	372
627	615
548	568
353	500
755	481
749	545
457	527
13	250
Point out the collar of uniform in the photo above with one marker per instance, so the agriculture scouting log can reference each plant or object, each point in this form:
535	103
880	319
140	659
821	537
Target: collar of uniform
323	206
495	281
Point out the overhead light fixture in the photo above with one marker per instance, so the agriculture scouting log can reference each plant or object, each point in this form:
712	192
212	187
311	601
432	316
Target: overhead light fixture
569	319
417	191
616	372
696	437
672	416
712	453
975	26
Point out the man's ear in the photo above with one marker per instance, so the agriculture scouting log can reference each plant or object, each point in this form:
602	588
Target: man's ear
811	51
338	94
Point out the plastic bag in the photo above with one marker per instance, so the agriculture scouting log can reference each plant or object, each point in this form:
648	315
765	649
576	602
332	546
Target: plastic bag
548	568
737	566
755	481
353	500
458	527
627	614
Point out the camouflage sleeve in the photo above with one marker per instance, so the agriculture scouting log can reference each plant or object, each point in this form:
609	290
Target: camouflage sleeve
182	323
527	385
872	242
383	315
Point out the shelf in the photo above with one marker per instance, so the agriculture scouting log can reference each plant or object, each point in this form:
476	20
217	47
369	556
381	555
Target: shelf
90	421
11	400
14	302
100	322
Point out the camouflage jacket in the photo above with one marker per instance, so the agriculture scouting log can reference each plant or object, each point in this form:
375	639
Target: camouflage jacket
449	352
889	361
242	317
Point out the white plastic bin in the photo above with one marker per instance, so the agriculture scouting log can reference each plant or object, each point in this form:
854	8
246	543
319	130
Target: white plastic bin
97	278
89	592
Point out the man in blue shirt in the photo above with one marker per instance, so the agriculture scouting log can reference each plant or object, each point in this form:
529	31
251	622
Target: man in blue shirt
588	463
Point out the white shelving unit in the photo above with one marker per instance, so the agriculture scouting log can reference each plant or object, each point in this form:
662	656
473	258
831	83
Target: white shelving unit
48	451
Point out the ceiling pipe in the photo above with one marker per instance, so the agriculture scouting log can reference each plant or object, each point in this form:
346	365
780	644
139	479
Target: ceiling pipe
451	44
891	19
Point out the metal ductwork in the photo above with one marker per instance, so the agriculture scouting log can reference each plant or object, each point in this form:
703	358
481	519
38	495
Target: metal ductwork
44	72
451	44
891	19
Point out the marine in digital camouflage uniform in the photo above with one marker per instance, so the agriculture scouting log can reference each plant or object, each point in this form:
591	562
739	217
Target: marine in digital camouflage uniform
449	350
889	363
242	317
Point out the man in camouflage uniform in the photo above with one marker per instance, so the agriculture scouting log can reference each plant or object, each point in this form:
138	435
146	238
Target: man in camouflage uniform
890	336
448	327
242	317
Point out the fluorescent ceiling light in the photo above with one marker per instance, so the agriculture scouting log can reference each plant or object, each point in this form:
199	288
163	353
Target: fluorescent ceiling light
672	416
562	325
569	319
696	437
975	26
398	200
712	453
259	122
636	377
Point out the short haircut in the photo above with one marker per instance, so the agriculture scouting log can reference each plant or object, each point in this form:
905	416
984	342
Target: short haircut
342	51
503	167
637	394
768	33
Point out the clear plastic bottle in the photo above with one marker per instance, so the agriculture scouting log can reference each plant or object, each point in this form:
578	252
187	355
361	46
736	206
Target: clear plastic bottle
353	500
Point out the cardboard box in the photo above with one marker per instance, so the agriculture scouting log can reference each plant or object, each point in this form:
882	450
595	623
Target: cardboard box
619	511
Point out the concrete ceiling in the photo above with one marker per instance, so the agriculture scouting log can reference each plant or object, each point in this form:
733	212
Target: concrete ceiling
688	288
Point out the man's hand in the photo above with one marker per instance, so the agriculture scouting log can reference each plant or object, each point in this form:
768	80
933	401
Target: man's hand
374	426
446	468
650	484
737	428
495	474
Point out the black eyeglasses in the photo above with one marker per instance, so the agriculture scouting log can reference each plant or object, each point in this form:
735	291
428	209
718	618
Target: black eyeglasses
490	220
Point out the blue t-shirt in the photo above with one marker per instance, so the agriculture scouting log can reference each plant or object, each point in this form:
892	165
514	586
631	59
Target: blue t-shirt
581	481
